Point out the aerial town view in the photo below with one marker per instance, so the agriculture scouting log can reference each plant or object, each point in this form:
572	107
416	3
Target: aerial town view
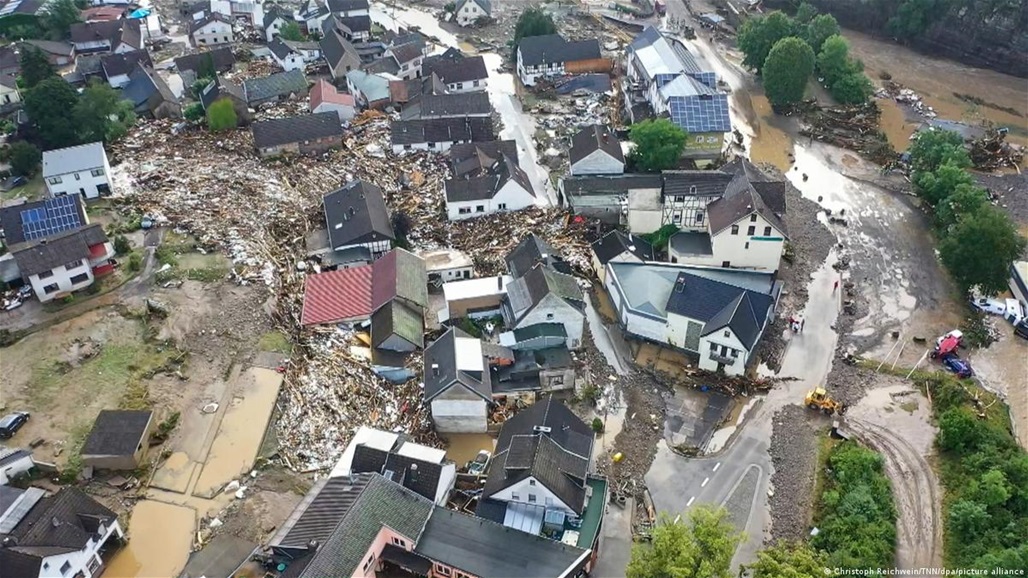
513	288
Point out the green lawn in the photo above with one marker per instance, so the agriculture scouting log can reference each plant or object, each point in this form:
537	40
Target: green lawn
276	342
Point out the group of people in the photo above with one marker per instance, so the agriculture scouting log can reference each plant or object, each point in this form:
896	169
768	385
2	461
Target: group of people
796	323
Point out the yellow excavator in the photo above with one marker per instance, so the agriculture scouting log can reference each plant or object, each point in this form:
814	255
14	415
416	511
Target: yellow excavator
818	398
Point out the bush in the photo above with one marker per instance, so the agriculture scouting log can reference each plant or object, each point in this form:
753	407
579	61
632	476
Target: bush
24	158
193	112
221	116
122	245
135	262
597	425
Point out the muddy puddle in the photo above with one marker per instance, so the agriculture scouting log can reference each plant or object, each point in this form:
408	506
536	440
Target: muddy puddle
160	536
241	431
462	448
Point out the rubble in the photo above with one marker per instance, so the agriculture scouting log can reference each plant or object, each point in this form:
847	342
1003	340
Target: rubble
854	127
793	453
992	152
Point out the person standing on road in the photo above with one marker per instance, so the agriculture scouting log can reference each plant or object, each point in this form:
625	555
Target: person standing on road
835	287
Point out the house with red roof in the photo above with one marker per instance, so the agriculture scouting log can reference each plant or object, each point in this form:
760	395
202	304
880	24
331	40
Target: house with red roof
325	98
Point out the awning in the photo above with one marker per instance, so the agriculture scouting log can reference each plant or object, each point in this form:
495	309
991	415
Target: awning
407	560
140	13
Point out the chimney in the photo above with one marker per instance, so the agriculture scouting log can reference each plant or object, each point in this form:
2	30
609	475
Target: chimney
414	473
499	282
435	369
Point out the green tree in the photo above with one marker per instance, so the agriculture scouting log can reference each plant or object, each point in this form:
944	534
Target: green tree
193	112
205	68
102	115
979	249
788	560
833	60
759	35
60	15
805	13
968	518
965	199
122	245
658	144
35	67
786	71
51	106
935	186
854	88
992	489
532	22
700	548
915	16
291	31
24	158
931	148
221	116
958	431
199	84
821	28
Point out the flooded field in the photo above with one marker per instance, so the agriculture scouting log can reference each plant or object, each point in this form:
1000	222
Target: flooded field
160	536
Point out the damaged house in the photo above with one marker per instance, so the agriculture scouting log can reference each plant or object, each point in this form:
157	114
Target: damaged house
192	66
221	89
274	88
504	186
458	71
115	36
340	55
150	95
358	227
294	55
542	57
439	134
595	150
544	295
305	134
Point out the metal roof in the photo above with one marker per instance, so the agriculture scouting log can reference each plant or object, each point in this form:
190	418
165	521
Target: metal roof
73	159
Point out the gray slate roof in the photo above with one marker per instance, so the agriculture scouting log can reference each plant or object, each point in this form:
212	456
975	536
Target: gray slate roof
615	243
696	183
276	85
222	59
552	48
144	84
355	24
455	68
439	130
447	105
740	200
320	511
486	5
382	503
489	550
558	459
443	353
117	432
719	304
124	62
347	5
43	255
613	184
692	243
280	131
357	213
593	138
274	13
423	480
529	290
207	19
471	159
530	251
486	186
73	159
66	520
334	47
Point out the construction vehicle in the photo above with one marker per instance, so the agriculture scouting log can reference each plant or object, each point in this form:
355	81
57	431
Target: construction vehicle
817	398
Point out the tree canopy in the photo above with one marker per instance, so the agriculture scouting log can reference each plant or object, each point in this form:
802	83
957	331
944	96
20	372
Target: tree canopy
786	70
854	88
221	116
935	186
60	15
965	199
978	250
35	66
788	560
821	28
931	148
532	22
291	31
102	115
700	547
805	13
658	144
24	158
758	35
833	60
50	106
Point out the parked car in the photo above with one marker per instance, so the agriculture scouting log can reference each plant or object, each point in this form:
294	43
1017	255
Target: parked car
11	423
1021	329
957	366
478	465
955	333
992	306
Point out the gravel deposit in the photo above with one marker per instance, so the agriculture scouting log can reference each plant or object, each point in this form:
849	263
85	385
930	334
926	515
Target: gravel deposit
794	459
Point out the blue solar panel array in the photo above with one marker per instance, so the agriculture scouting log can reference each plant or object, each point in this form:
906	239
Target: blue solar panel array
57	215
696	114
662	79
708	78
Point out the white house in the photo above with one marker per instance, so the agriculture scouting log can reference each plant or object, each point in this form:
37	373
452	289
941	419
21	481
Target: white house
312	14
542	460
211	30
324	98
459	72
458	388
9	91
717	315
60	264
551	55
274	21
349	8
595	150
358	222
438	134
617	247
79	524
421	469
292	55
474	298
445	265
13	463
544	295
467	12
82	169
504	187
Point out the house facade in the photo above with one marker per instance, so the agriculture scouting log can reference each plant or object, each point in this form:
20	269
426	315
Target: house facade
273	23
550	55
9	94
458	72
14	462
60	265
325	98
305	134
457	383
439	134
211	30
751	242
544	295
467	12
504	187
82	169
595	150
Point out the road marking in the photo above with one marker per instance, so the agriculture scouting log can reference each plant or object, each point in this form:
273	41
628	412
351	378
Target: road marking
689	503
716	466
705	480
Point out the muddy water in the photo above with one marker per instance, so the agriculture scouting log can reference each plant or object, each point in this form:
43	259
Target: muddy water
394	18
769	143
895	125
241	431
462	448
160	536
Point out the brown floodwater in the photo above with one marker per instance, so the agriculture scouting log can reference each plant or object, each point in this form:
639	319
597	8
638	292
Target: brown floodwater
770	143
462	448
160	537
895	125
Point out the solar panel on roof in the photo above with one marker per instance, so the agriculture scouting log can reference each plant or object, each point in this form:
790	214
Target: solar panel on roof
57	215
701	114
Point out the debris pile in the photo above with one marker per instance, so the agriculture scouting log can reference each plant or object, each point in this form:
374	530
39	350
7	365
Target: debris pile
853	127
992	152
794	458
906	96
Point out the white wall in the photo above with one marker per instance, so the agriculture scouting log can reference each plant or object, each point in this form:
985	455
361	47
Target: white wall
459	415
345	112
553	309
274	29
744	251
9	95
644	211
14	468
439	147
543	496
725	345
530	74
470	86
62	277
213	33
677	328
292	61
84	182
511	197
80	561
447	477
598	162
469	13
